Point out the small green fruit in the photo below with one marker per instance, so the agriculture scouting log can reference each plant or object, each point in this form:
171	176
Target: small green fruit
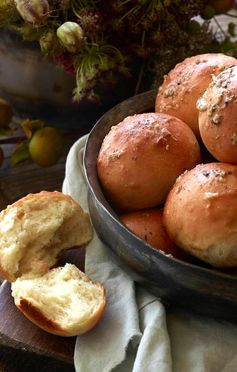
5	113
46	146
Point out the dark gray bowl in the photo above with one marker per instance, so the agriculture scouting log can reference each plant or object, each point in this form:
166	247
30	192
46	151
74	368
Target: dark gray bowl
197	288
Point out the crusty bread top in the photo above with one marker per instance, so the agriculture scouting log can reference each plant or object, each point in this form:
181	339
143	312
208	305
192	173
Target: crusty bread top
200	213
36	229
64	301
141	157
217	116
184	84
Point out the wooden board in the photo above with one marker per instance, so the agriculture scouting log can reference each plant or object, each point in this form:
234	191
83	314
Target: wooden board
19	333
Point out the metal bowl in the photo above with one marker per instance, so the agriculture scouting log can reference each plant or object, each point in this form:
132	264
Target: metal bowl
193	286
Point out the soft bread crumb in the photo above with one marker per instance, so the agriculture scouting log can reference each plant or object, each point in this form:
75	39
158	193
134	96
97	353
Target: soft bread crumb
64	301
36	229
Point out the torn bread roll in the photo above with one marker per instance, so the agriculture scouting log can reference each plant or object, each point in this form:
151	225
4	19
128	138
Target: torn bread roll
36	229
64	301
34	232
184	84
141	157
218	116
200	213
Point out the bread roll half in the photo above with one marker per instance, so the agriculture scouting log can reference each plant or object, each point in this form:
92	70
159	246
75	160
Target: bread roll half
64	301
36	229
33	233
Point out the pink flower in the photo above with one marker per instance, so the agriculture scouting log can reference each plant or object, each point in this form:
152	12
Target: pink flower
66	60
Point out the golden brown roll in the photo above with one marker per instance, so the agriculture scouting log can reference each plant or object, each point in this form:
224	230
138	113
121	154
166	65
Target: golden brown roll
218	116
148	225
200	213
184	84
141	157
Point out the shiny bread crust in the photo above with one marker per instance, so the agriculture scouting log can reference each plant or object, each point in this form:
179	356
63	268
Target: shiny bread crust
56	195
218	116
184	84
200	213
141	157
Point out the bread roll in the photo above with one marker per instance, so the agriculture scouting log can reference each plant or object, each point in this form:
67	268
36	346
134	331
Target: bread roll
63	302
36	229
148	225
141	157
184	84
33	233
200	213
218	116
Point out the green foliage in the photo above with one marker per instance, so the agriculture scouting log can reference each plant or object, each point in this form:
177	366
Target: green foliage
8	12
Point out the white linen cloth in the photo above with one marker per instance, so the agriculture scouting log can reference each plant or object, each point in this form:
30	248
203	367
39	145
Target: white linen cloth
136	333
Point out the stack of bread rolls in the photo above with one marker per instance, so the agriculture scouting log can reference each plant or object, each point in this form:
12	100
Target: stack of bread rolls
34	232
183	86
155	162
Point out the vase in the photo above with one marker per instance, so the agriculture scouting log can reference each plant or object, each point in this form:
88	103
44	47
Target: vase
37	87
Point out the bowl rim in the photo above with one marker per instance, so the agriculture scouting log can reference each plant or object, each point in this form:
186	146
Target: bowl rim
97	192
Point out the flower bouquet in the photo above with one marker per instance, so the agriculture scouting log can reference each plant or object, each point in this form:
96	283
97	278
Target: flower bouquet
111	45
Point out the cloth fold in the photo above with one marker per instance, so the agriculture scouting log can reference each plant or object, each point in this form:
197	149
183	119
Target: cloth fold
137	333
